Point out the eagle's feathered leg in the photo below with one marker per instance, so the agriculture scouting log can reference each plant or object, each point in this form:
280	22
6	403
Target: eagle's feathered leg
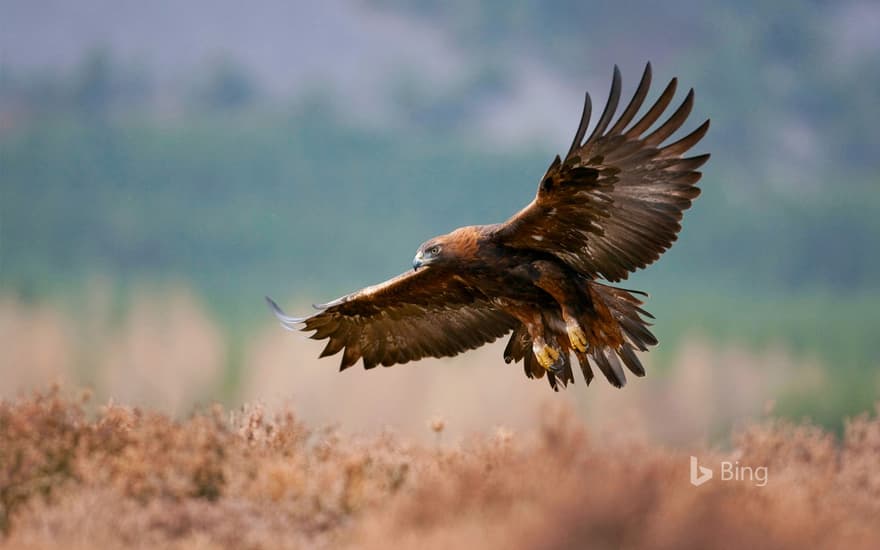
550	358
553	279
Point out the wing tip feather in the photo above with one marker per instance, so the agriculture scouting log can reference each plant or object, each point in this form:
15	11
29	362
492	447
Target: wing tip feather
586	114
287	321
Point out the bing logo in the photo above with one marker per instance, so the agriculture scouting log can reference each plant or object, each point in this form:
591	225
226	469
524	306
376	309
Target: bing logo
729	471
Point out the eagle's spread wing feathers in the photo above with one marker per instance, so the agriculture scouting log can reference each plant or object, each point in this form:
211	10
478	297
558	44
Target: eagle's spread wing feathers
614	204
429	312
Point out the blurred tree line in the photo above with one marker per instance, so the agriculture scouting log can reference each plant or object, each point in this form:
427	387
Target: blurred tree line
102	86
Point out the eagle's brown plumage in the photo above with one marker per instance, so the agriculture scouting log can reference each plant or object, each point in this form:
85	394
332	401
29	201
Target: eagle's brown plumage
613	205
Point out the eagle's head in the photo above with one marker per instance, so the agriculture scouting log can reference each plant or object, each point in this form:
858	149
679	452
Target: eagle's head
445	249
430	252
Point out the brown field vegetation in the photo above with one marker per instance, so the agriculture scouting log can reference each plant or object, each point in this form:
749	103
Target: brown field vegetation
442	453
125	477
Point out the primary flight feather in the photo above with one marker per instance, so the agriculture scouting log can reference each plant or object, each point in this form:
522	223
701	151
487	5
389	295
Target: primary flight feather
613	205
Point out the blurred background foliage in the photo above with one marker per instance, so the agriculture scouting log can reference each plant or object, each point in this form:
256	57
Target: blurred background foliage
304	151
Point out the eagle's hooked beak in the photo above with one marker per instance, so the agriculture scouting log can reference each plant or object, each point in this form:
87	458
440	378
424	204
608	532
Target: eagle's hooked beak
417	261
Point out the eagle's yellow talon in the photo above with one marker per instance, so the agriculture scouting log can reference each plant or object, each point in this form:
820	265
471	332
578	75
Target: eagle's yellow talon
577	337
546	356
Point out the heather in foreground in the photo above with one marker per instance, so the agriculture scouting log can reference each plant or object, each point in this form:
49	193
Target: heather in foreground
121	477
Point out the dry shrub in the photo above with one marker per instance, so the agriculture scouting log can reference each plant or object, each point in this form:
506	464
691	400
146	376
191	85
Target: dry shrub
130	478
38	440
141	479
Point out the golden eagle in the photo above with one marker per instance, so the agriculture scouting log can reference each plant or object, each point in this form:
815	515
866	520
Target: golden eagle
611	206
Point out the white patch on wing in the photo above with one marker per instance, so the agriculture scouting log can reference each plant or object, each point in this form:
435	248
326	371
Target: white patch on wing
538	237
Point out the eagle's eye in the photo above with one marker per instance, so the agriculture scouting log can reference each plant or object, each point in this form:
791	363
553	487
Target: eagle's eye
434	250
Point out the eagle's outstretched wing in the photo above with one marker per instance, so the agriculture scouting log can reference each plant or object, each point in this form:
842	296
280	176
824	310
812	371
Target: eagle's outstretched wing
614	204
429	312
